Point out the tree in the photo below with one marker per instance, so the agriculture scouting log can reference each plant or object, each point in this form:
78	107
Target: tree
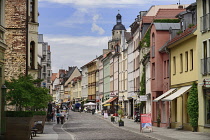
23	92
192	106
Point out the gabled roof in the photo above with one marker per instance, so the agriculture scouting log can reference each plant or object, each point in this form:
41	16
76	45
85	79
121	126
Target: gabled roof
166	26
168	13
127	35
70	71
181	36
53	77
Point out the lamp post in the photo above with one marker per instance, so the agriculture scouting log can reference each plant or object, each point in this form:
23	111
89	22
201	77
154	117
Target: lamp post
3	122
138	96
123	97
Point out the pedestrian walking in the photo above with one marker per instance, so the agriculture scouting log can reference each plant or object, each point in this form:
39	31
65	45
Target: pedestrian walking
58	117
62	116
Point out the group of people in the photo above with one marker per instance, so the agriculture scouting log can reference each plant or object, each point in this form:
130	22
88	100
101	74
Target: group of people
61	116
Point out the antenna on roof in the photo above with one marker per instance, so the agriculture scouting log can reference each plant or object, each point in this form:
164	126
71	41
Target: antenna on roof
178	3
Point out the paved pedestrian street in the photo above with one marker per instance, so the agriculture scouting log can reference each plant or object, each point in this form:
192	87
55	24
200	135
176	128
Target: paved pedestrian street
85	126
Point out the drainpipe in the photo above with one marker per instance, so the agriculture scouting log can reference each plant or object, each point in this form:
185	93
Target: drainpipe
169	118
27	2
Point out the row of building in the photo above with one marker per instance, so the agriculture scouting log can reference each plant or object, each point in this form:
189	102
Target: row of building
22	49
150	69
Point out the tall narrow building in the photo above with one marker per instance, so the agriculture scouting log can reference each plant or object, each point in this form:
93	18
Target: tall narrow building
21	22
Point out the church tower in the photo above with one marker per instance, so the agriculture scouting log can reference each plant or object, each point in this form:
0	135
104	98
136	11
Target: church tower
116	32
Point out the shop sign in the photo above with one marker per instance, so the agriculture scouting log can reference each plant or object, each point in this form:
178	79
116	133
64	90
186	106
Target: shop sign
113	94
146	122
206	83
143	98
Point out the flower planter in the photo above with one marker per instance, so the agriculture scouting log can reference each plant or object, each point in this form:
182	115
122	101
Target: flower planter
18	128
121	123
112	119
41	119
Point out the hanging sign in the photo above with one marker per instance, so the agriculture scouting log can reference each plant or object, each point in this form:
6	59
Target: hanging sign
143	98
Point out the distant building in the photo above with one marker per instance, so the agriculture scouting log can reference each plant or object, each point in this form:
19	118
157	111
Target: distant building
44	61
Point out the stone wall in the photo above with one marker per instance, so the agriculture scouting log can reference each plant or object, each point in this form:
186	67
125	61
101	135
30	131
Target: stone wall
15	37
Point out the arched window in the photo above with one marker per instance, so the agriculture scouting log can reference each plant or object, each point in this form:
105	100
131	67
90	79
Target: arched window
32	11
153	45
32	55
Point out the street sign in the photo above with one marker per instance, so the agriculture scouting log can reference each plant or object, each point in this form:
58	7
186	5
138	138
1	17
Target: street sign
206	82
143	98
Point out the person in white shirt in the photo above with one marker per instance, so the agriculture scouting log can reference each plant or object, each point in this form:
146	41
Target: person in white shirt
62	117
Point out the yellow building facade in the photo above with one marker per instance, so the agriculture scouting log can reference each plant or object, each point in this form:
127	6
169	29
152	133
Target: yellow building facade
203	14
92	69
183	66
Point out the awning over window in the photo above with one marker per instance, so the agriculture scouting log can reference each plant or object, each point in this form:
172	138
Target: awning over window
178	93
109	100
164	95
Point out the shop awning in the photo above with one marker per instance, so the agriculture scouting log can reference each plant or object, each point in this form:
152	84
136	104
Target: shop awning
164	95
178	93
109	100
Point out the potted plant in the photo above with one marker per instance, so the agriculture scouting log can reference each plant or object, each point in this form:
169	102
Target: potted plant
21	96
121	122
112	118
18	125
158	119
39	120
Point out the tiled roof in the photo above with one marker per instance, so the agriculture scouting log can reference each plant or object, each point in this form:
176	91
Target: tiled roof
168	13
147	19
53	77
187	32
166	26
127	35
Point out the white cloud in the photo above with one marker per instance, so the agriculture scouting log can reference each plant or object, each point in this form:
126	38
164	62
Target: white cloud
95	27
111	3
80	16
74	51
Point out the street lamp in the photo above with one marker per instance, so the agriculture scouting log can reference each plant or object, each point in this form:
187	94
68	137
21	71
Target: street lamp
3	124
138	95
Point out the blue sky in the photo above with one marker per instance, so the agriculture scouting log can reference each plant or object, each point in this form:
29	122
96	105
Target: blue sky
78	30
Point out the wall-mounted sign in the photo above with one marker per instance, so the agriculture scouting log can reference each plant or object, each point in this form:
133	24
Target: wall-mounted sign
113	94
206	83
143	98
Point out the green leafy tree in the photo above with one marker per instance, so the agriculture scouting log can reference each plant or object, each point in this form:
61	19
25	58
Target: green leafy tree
192	106
40	98
24	93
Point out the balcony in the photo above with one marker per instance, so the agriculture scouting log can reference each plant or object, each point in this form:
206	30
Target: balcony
205	66
205	23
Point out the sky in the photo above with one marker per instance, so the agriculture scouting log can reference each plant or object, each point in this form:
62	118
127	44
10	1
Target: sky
79	30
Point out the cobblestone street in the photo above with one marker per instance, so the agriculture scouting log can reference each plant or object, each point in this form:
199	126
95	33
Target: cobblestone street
85	126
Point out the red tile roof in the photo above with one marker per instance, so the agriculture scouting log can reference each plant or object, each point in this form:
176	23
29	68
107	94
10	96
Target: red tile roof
53	77
187	32
147	19
168	13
